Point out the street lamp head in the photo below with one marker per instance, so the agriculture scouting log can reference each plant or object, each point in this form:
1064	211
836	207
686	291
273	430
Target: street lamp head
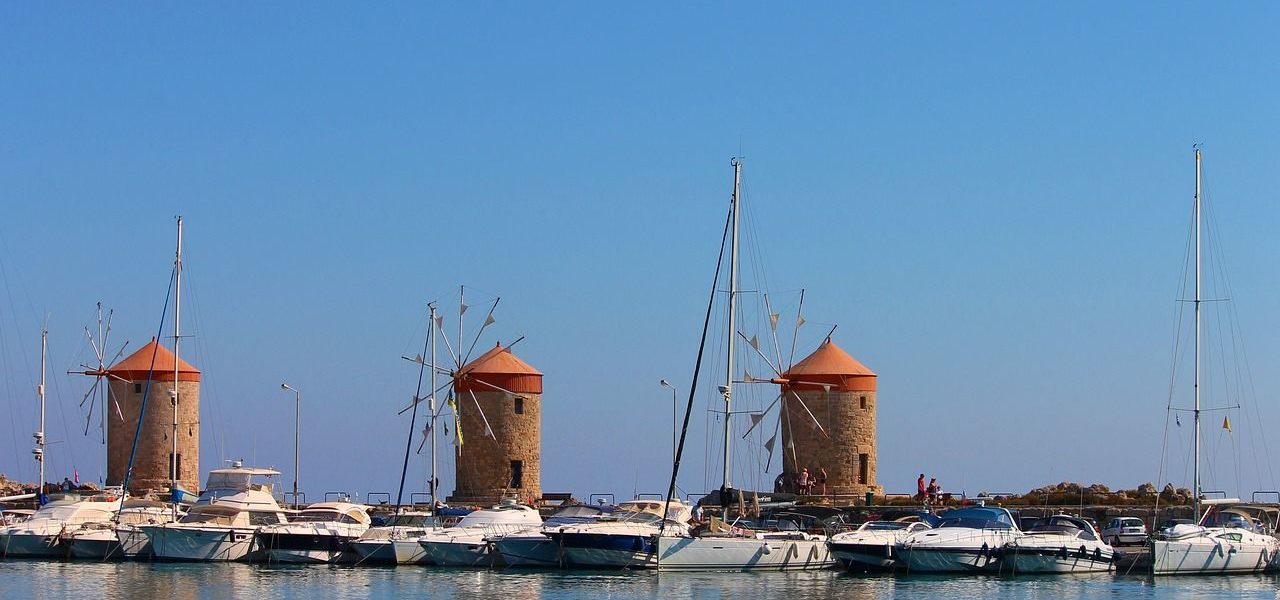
665	383
285	386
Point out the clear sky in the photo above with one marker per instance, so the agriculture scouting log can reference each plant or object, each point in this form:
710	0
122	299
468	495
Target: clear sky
992	202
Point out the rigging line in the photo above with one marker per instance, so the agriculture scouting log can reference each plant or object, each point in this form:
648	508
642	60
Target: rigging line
146	391
210	396
413	418
697	369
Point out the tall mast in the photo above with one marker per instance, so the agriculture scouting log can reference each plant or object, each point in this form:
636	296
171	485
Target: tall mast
39	435
177	335
431	329
1195	489
733	310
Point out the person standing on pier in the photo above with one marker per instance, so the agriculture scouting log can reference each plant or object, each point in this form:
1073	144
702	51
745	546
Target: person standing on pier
920	490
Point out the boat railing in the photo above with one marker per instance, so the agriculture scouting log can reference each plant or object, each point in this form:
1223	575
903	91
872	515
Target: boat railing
596	499
1254	498
1213	494
650	496
420	498
295	499
338	497
377	498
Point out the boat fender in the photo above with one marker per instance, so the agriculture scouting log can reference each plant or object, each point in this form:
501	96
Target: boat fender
1084	552
1062	553
765	549
1097	554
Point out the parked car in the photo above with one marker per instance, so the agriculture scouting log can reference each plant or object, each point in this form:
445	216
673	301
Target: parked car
1124	530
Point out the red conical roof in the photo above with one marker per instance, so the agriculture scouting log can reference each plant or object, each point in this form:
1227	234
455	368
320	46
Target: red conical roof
830	365
498	370
138	364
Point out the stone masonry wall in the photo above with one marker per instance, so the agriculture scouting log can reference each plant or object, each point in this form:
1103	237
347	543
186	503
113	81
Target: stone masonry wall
483	464
151	465
852	431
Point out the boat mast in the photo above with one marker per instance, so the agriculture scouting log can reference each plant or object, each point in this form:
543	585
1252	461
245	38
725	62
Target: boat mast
1195	489
39	435
177	332
432	405
733	306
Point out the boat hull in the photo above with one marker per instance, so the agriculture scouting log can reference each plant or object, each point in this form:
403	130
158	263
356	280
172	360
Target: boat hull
605	550
741	554
528	551
201	544
865	557
461	553
121	544
305	548
32	545
1058	560
1199	558
949	560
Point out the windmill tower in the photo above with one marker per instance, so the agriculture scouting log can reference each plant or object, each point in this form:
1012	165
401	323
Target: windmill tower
128	380
498	403
829	420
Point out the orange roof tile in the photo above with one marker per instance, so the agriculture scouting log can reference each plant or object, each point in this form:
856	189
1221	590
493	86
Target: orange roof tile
138	364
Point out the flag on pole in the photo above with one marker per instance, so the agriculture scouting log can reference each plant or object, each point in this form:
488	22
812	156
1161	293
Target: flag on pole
75	473
1226	424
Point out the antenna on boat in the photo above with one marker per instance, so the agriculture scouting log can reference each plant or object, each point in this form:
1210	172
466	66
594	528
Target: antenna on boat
177	336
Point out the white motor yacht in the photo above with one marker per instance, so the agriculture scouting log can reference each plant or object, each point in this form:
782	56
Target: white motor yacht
466	545
623	539
1059	544
532	547
43	535
873	546
123	537
317	534
968	539
221	525
396	542
1232	537
726	548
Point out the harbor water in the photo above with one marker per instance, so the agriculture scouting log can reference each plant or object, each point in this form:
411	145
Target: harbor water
190	581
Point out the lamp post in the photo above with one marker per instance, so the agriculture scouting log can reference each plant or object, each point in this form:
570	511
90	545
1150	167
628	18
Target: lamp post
675	417
297	414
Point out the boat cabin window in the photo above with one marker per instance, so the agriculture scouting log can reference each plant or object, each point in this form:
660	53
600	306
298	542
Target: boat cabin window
318	515
264	518
407	521
209	518
1234	537
228	481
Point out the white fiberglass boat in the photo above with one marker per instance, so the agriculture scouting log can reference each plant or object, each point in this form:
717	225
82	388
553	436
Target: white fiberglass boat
123	537
221	525
873	546
967	540
1059	544
43	535
532	547
623	539
396	542
318	534
1231	538
466	545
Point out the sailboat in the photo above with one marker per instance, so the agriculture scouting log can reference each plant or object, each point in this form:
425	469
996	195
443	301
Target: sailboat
1231	536
729	548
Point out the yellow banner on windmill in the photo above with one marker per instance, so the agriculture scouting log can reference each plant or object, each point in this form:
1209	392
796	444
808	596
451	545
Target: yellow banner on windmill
457	428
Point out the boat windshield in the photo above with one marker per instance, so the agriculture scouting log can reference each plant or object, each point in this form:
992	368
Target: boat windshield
209	518
1059	525
407	521
977	518
1230	519
884	526
632	516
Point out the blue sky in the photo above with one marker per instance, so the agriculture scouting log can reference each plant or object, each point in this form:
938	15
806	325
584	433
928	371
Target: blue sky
991	202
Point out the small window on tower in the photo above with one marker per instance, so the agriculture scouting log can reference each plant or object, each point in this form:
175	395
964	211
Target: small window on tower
517	474
864	401
519	405
137	388
864	469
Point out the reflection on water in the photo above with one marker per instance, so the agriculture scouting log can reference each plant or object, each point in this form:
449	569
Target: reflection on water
56	580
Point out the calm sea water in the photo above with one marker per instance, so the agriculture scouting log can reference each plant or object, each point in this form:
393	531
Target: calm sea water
50	579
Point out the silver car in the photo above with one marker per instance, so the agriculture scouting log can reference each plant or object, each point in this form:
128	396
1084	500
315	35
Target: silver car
1124	530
